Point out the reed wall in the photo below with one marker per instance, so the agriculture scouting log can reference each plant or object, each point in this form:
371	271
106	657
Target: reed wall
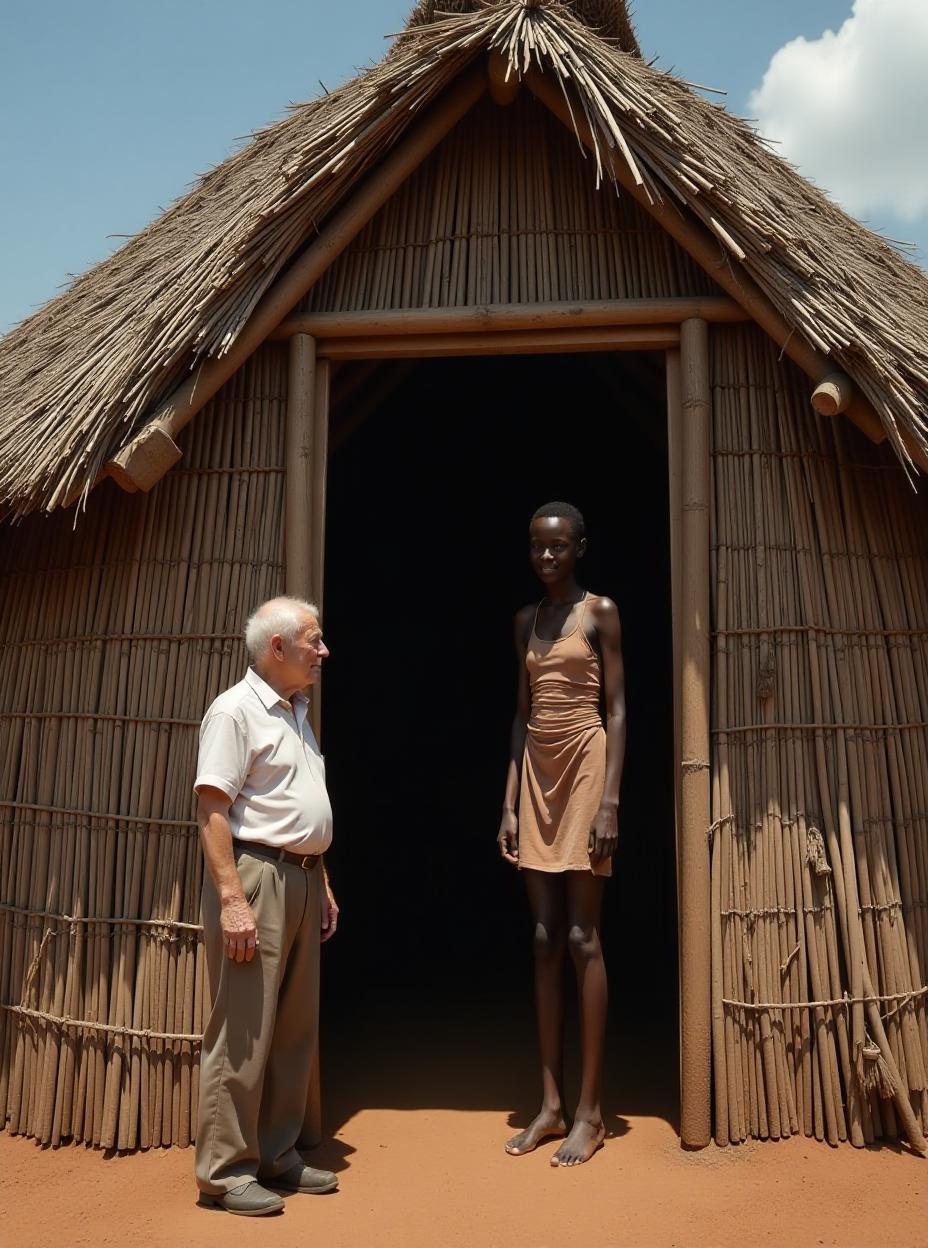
506	210
114	636
819	766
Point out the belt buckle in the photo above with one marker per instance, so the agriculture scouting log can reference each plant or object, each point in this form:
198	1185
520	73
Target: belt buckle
306	862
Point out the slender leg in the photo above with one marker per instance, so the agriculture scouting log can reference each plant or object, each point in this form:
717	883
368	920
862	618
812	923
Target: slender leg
584	906
546	899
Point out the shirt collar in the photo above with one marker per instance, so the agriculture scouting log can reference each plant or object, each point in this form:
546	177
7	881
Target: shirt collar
270	697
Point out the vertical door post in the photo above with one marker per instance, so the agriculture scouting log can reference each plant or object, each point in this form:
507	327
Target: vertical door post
694	762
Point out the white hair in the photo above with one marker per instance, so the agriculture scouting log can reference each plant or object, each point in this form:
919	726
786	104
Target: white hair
284	617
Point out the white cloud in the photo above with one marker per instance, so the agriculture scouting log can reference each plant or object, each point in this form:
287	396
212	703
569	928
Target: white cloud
851	108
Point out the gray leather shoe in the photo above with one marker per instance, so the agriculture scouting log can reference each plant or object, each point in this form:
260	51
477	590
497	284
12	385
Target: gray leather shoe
250	1200
302	1178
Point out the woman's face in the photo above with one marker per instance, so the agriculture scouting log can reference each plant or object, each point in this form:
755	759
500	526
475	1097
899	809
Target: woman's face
553	548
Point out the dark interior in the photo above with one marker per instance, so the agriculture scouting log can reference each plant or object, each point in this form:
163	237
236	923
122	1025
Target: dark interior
435	469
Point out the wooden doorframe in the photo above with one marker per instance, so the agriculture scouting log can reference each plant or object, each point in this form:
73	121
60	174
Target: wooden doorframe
306	458
688	414
682	334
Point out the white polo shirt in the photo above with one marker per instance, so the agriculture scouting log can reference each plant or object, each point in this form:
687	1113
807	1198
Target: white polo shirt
260	751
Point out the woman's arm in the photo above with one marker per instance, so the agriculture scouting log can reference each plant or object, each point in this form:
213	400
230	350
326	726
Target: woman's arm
604	834
508	839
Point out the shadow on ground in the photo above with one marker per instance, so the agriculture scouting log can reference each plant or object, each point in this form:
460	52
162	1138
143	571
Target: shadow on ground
395	1055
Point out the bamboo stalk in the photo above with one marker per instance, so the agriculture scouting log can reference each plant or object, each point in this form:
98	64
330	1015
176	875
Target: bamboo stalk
301	466
494	317
141	469
513	342
695	974
695	239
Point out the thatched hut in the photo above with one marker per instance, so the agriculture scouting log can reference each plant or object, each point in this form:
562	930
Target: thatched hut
722	366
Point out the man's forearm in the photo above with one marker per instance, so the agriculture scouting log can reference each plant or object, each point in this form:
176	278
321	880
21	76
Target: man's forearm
216	839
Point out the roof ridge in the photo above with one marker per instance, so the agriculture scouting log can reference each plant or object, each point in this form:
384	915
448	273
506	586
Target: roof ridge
610	19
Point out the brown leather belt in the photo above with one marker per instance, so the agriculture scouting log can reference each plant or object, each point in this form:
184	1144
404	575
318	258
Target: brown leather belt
307	861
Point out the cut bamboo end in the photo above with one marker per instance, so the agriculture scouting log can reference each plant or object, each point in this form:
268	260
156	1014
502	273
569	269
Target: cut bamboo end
143	463
505	85
833	394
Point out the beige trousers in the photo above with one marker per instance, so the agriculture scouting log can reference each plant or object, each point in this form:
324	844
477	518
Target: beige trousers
260	1047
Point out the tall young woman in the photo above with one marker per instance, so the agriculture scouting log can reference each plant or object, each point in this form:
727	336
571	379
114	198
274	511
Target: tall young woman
560	813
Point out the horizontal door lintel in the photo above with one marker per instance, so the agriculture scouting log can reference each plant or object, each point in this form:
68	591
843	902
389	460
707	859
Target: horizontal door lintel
509	317
507	342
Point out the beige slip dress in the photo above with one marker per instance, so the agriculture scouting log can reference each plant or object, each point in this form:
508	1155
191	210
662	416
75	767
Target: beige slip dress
564	767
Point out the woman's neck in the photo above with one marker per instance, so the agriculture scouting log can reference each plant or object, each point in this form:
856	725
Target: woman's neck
562	593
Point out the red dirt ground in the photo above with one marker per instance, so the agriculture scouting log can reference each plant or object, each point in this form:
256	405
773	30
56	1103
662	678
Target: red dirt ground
420	1104
440	1177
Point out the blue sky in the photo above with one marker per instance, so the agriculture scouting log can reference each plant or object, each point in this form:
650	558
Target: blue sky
111	109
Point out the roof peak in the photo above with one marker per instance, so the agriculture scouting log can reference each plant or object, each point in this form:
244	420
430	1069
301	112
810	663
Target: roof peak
609	18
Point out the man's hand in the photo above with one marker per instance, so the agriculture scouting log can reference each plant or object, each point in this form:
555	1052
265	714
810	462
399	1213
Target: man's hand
508	838
329	911
604	834
239	930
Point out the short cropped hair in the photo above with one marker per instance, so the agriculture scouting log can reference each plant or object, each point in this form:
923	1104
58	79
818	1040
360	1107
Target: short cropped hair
281	616
563	511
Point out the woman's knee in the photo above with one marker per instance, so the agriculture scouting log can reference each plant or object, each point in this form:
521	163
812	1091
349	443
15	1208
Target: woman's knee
583	943
548	941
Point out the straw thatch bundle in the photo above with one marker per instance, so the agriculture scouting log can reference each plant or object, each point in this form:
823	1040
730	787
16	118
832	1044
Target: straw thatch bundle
608	18
79	378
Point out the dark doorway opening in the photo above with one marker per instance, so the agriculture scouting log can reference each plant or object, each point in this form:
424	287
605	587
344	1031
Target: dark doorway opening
436	467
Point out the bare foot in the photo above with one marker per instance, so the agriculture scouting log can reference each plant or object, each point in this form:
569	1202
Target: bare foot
550	1122
584	1139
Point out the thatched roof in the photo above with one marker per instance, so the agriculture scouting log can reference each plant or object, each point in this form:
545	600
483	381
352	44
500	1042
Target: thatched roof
79	378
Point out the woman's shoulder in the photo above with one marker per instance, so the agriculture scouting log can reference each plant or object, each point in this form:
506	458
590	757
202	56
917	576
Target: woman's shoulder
602	609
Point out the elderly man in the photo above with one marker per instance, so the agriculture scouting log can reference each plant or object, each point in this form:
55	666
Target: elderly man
265	822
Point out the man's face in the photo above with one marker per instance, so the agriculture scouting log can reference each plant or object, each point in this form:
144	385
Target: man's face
300	661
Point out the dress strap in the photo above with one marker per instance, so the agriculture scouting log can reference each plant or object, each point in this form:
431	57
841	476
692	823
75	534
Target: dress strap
581	603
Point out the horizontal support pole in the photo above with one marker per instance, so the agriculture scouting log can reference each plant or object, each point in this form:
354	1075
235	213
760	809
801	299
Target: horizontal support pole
513	342
143	461
497	317
505	83
694	237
